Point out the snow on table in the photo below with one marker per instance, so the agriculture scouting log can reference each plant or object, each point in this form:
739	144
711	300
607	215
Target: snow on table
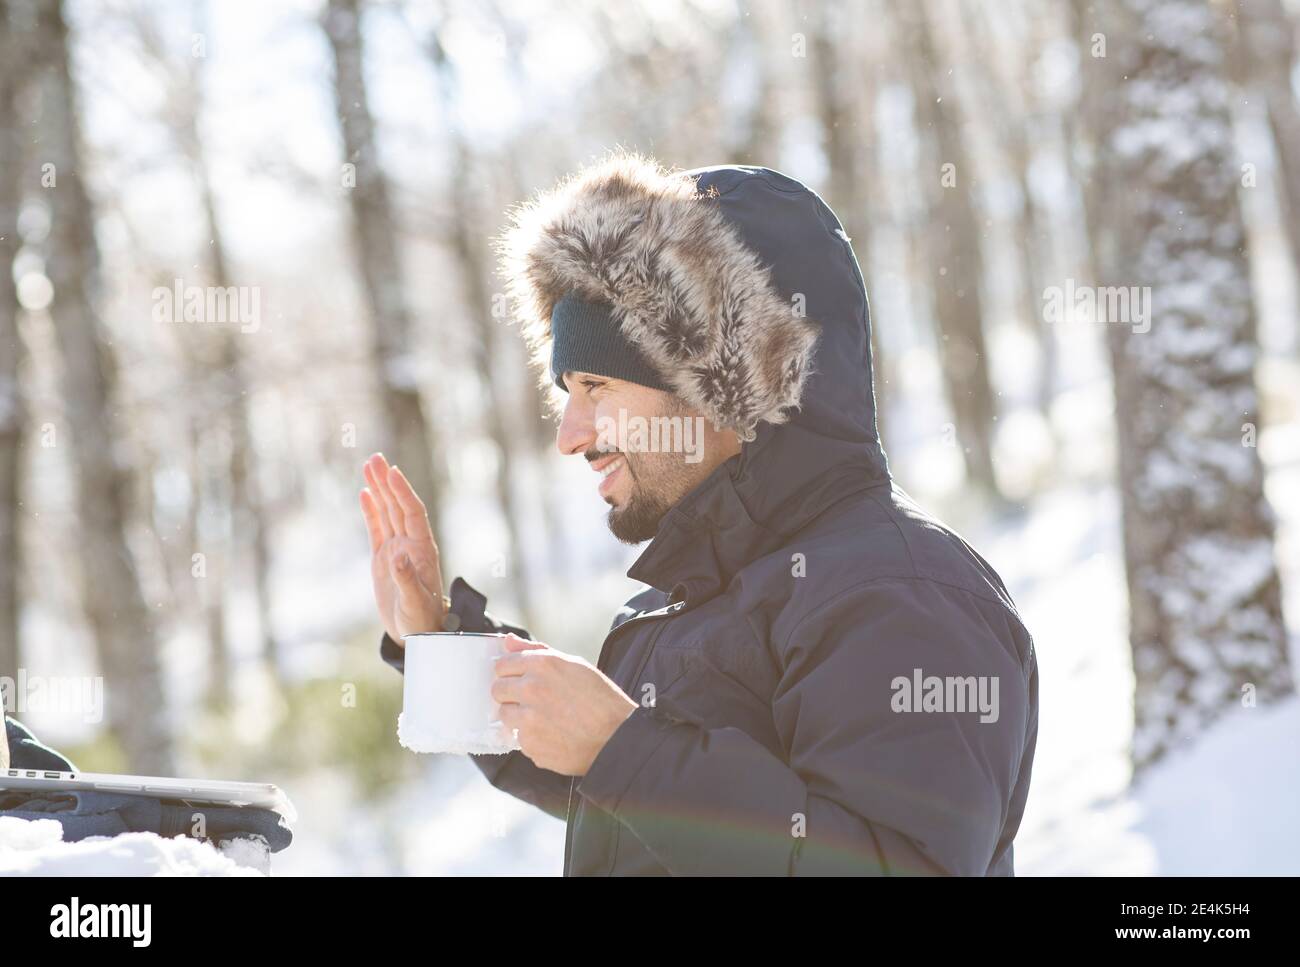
36	848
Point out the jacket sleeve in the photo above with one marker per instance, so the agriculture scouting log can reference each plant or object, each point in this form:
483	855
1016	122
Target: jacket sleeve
513	772
28	752
863	786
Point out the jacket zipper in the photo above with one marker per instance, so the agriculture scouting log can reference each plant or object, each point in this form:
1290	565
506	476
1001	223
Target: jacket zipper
568	825
673	609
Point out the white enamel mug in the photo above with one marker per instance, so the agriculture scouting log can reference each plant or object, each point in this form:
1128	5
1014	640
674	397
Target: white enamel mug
447	703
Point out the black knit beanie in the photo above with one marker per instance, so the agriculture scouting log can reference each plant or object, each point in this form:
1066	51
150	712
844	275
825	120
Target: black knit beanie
586	339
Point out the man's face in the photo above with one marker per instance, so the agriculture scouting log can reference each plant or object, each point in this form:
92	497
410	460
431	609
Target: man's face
648	447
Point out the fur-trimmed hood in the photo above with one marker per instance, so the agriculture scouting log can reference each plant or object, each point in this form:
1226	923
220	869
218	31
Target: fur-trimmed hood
687	292
739	284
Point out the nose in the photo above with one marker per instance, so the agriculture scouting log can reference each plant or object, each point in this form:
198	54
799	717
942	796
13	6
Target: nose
577	433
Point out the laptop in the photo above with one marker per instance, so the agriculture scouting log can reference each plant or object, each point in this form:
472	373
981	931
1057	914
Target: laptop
214	792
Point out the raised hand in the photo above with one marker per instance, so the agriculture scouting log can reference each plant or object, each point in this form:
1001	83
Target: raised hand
403	554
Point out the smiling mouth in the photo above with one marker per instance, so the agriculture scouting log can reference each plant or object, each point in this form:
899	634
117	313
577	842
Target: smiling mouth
608	469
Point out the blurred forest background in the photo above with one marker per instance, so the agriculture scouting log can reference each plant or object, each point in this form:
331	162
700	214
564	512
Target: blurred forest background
178	489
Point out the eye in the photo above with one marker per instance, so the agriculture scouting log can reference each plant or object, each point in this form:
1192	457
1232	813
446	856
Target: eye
590	384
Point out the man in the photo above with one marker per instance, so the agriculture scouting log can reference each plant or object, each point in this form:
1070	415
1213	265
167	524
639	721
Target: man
818	678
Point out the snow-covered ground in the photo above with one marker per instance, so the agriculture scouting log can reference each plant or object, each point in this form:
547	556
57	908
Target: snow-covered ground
1226	804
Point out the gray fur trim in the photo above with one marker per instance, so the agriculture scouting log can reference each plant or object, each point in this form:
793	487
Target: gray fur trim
687	291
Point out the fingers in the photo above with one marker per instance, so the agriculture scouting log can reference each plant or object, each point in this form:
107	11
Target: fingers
507	666
378	468
515	643
381	514
370	511
415	518
511	715
377	500
507	691
511	665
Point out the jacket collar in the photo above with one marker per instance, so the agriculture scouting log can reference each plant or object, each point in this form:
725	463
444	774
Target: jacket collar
750	506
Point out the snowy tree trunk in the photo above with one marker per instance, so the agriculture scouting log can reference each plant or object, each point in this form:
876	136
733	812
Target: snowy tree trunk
843	83
486	345
228	511
410	438
12	413
1020	123
1204	598
487	353
953	251
539	423
115	607
249	539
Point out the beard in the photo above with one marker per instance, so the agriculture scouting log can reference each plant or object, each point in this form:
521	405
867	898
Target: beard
638	520
656	481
